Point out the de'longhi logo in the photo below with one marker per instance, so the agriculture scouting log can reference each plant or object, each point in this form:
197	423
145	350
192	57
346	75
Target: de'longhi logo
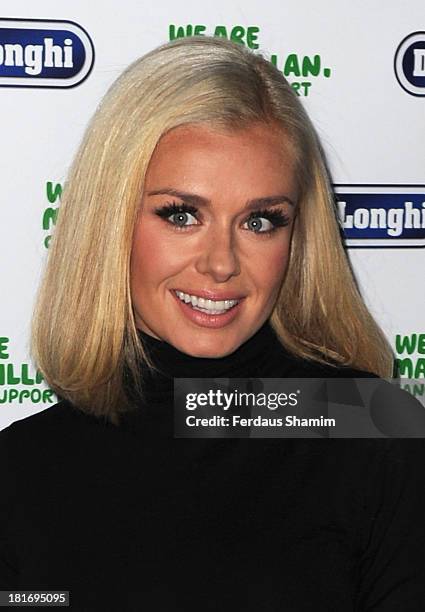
409	64
44	53
382	216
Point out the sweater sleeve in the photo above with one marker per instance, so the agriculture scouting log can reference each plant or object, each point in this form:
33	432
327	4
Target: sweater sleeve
9	576
392	570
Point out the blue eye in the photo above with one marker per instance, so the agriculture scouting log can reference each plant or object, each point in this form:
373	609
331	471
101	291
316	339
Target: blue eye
181	219
180	212
266	221
263	221
257	225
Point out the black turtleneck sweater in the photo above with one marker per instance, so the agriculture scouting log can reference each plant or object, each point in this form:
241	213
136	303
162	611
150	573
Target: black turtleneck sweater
129	518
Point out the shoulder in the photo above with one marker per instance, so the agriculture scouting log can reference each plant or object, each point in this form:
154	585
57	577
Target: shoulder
304	368
390	409
44	422
287	364
55	431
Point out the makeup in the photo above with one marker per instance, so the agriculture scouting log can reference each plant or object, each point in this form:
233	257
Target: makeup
208	320
274	217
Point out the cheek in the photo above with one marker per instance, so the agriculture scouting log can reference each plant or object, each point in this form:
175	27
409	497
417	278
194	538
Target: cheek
153	258
269	270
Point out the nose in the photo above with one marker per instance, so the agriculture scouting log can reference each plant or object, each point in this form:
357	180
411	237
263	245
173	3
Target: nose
218	258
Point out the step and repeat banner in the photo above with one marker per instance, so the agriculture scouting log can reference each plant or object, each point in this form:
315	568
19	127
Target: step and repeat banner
359	69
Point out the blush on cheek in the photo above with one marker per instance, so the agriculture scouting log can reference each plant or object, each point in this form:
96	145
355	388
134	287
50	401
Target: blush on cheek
276	272
144	246
155	257
274	266
143	255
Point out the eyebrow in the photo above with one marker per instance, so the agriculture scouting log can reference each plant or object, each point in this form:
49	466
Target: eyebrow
198	200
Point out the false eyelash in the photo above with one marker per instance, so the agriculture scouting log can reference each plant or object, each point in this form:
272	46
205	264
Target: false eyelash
277	217
171	209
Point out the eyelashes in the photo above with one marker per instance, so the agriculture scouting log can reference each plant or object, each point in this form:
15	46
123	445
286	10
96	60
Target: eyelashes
274	216
168	210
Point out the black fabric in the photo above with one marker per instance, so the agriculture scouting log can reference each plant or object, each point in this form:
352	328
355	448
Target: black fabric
129	518
262	355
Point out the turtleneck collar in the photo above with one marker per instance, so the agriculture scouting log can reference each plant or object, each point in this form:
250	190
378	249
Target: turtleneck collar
262	355
250	359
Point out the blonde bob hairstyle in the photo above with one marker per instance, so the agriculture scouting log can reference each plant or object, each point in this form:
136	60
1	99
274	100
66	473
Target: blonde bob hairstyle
84	338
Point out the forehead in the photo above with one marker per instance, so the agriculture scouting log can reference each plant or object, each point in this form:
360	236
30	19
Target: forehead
255	157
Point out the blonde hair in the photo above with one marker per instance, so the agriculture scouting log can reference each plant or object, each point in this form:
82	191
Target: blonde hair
84	338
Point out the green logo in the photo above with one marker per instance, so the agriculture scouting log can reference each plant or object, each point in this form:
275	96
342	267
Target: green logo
17	381
407	365
300	70
50	215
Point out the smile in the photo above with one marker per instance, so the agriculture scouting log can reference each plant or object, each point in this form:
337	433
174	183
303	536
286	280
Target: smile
205	305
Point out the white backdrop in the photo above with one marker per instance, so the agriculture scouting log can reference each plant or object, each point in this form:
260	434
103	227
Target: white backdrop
371	121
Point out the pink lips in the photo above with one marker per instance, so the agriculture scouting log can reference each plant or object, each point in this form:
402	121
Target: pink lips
209	320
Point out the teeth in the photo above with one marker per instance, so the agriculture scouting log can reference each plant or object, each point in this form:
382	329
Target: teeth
210	306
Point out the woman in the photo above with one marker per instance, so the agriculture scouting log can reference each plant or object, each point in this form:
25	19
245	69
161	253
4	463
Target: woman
198	238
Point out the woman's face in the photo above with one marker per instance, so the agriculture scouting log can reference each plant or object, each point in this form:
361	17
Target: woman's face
215	224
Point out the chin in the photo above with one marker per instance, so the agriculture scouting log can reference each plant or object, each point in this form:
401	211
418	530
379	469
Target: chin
212	350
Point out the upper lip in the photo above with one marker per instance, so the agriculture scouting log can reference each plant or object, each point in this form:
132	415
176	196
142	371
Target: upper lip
213	295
